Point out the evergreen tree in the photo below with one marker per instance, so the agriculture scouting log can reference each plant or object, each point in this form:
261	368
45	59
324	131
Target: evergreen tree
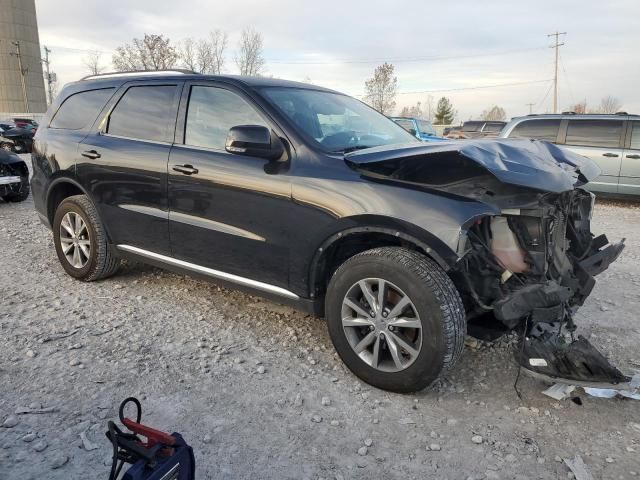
444	112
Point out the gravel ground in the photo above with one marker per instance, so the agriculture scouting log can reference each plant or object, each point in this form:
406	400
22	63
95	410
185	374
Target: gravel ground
258	391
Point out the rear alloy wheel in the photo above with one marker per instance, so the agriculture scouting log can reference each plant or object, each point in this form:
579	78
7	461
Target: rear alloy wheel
81	241
74	240
395	318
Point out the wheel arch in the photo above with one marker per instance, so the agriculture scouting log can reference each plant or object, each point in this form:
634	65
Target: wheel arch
59	189
351	240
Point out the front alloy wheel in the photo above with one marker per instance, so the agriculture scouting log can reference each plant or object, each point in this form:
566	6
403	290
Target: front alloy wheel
395	318
381	324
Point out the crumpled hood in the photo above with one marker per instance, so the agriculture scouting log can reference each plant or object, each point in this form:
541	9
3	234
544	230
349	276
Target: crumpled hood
527	163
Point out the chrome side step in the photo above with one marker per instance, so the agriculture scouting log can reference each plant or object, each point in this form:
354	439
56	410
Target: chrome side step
247	282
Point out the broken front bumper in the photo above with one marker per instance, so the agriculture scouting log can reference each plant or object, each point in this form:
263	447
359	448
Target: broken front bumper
9	180
546	302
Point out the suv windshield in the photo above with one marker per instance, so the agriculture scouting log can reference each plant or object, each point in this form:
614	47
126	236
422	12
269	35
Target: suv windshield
337	123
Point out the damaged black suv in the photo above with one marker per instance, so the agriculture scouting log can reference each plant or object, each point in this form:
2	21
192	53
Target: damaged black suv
310	197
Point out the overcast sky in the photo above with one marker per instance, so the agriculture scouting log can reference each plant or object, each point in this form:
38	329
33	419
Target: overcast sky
438	48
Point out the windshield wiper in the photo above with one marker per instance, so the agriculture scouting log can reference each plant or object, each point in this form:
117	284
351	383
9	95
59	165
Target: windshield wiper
352	148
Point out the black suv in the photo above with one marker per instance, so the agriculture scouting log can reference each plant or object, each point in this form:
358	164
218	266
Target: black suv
312	198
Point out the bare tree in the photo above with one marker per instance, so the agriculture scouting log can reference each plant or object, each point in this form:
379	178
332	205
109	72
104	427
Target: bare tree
92	62
153	52
494	113
381	89
412	111
580	107
609	104
249	57
430	108
188	54
219	41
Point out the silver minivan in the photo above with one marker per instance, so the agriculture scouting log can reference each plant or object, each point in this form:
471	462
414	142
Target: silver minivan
612	141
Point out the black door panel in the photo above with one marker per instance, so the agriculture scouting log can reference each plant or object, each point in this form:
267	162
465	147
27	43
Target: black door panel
231	215
128	184
124	164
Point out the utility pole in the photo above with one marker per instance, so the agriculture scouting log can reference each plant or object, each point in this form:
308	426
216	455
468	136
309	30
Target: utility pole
23	72
45	60
530	105
555	76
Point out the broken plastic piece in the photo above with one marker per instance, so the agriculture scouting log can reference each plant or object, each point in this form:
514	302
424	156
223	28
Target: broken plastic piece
559	391
630	390
578	468
574	362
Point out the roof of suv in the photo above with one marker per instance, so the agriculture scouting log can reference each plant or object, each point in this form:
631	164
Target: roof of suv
571	115
249	81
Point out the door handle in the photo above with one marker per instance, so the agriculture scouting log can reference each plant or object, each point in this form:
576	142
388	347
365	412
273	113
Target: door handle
609	154
92	154
186	169
633	156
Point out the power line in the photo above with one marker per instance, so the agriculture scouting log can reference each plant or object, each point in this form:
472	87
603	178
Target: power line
478	87
566	78
556	46
401	59
348	61
544	98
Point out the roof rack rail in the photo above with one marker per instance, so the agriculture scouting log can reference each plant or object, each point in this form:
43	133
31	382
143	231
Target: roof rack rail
176	71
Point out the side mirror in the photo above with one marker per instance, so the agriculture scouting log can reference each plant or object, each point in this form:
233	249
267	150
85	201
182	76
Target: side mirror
254	141
413	132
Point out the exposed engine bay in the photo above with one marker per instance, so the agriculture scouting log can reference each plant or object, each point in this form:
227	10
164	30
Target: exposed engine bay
532	268
532	264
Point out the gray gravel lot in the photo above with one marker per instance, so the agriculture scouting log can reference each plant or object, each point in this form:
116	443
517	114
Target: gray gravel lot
258	391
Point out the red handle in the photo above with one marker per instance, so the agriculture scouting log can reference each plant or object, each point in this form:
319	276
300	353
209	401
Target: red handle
151	434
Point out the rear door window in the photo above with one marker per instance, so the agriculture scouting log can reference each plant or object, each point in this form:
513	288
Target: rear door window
594	133
80	109
146	113
635	136
539	129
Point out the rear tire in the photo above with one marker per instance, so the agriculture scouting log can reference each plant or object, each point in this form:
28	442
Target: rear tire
84	252
413	344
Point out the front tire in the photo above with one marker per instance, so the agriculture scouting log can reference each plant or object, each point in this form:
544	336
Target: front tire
81	240
395	318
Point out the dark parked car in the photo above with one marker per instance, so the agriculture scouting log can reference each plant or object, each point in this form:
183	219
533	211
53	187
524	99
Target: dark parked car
17	139
23	122
312	198
477	129
14	177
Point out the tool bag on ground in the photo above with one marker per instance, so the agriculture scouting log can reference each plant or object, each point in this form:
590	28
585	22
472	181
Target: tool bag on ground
162	456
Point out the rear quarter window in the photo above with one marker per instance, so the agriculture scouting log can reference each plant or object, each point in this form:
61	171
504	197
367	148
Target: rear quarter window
145	113
594	133
80	109
542	129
